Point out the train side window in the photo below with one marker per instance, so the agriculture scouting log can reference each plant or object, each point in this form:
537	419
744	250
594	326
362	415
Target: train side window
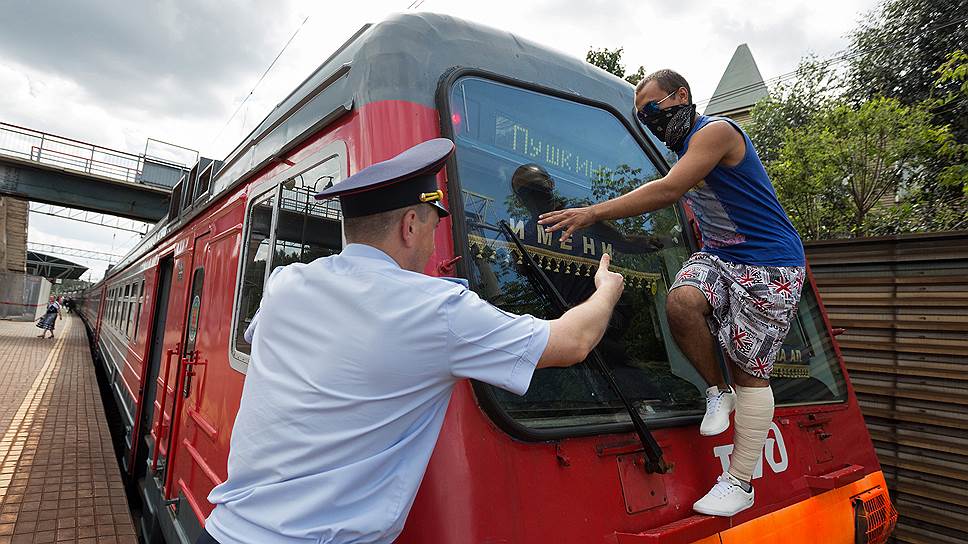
257	247
807	369
132	311
307	229
287	225
126	309
141	300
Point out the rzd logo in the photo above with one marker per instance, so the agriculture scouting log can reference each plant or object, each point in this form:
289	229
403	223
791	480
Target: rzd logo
774	451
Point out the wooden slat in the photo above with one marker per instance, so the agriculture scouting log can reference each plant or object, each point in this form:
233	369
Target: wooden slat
904	303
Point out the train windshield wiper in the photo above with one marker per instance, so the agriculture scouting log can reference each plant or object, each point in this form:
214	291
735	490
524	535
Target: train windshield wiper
654	462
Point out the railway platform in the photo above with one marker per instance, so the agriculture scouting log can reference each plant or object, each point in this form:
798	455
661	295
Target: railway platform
59	478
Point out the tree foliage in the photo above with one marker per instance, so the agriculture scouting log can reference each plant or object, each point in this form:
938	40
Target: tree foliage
861	170
791	105
610	60
898	46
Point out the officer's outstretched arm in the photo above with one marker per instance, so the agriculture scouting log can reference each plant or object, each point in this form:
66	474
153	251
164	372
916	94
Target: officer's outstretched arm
578	331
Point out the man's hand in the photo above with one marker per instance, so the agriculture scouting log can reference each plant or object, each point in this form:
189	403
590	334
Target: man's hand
610	282
576	333
570	219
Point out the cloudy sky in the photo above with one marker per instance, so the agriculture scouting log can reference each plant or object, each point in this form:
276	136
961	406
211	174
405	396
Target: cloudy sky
115	72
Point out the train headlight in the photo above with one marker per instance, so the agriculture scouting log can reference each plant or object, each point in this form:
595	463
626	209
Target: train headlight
874	516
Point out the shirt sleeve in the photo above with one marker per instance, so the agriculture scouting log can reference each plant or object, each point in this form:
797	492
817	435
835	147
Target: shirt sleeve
494	346
250	330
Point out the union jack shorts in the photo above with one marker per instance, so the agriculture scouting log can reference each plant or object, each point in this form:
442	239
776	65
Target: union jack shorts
753	306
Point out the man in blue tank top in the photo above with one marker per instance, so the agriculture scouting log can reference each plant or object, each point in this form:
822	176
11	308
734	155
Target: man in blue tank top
740	290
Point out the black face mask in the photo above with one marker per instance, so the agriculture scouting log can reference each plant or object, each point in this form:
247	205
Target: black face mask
672	124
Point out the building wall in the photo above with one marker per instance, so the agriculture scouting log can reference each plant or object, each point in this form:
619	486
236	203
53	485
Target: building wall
13	234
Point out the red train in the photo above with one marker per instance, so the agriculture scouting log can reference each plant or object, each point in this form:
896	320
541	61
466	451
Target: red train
560	464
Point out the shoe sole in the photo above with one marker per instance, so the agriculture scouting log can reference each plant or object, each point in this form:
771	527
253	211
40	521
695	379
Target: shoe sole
714	433
721	513
717	431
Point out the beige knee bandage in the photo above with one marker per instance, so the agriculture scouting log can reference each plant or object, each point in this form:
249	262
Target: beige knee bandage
754	413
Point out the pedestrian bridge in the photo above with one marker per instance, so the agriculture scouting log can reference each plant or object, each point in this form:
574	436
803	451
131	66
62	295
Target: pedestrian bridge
43	167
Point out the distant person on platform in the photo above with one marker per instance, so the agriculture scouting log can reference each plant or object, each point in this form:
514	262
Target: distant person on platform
740	290
341	410
50	318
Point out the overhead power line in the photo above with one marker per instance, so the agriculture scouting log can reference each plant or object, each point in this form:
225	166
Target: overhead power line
262	77
74	252
93	218
843	56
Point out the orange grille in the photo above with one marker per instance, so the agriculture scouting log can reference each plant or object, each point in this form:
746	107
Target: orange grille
874	516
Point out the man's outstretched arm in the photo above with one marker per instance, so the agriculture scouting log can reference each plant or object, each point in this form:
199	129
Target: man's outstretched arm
706	149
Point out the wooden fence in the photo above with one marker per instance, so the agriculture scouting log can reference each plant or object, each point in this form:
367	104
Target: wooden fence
904	303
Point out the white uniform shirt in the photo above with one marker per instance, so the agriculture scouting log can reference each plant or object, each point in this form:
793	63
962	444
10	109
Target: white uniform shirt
353	364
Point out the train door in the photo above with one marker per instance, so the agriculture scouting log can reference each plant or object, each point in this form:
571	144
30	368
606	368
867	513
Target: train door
189	426
145	444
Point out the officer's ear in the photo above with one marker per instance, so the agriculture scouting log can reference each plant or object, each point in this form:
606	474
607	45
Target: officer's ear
408	227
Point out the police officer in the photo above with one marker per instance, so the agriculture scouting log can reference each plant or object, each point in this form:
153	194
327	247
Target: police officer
354	358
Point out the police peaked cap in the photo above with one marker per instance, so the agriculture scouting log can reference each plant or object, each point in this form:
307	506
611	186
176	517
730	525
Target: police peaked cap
408	179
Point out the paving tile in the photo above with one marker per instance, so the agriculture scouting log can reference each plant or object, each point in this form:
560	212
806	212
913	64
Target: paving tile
57	463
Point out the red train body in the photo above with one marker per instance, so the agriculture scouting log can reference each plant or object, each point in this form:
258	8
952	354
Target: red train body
166	320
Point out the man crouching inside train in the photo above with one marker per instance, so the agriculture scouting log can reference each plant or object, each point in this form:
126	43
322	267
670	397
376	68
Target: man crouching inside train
741	288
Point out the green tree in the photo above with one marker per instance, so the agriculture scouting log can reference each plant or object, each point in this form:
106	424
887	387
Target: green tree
610	60
899	45
952	89
791	105
807	183
849	159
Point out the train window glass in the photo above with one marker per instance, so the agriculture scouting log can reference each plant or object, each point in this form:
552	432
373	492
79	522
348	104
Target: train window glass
194	310
133	312
307	229
204	179
806	369
521	153
126	310
256	259
188	191
174	202
141	300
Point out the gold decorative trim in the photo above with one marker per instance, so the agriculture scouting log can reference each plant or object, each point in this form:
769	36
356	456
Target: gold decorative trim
790	371
552	261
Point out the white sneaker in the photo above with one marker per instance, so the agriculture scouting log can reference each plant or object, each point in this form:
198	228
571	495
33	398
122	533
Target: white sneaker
719	404
726	498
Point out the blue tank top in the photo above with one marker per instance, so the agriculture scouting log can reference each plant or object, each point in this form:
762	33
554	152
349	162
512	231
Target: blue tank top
739	215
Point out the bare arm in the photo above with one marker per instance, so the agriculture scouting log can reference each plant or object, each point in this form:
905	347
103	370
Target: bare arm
706	150
578	331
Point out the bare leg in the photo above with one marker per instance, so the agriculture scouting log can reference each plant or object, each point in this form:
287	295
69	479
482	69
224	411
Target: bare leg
687	310
741	377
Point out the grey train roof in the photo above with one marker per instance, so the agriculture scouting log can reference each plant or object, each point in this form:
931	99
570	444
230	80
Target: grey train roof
403	58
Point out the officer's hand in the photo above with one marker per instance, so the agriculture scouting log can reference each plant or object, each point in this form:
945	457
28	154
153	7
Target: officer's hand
612	282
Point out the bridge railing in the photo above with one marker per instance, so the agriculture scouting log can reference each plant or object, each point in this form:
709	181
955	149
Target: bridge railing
70	154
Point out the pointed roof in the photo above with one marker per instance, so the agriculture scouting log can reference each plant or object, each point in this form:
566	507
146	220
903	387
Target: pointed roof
740	87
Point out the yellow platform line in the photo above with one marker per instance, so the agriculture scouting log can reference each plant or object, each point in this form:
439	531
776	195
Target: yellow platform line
17	435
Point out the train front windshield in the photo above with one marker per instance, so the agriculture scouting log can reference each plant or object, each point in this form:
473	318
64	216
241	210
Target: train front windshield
521	153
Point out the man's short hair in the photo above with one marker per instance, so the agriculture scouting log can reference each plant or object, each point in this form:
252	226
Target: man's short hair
376	227
668	80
